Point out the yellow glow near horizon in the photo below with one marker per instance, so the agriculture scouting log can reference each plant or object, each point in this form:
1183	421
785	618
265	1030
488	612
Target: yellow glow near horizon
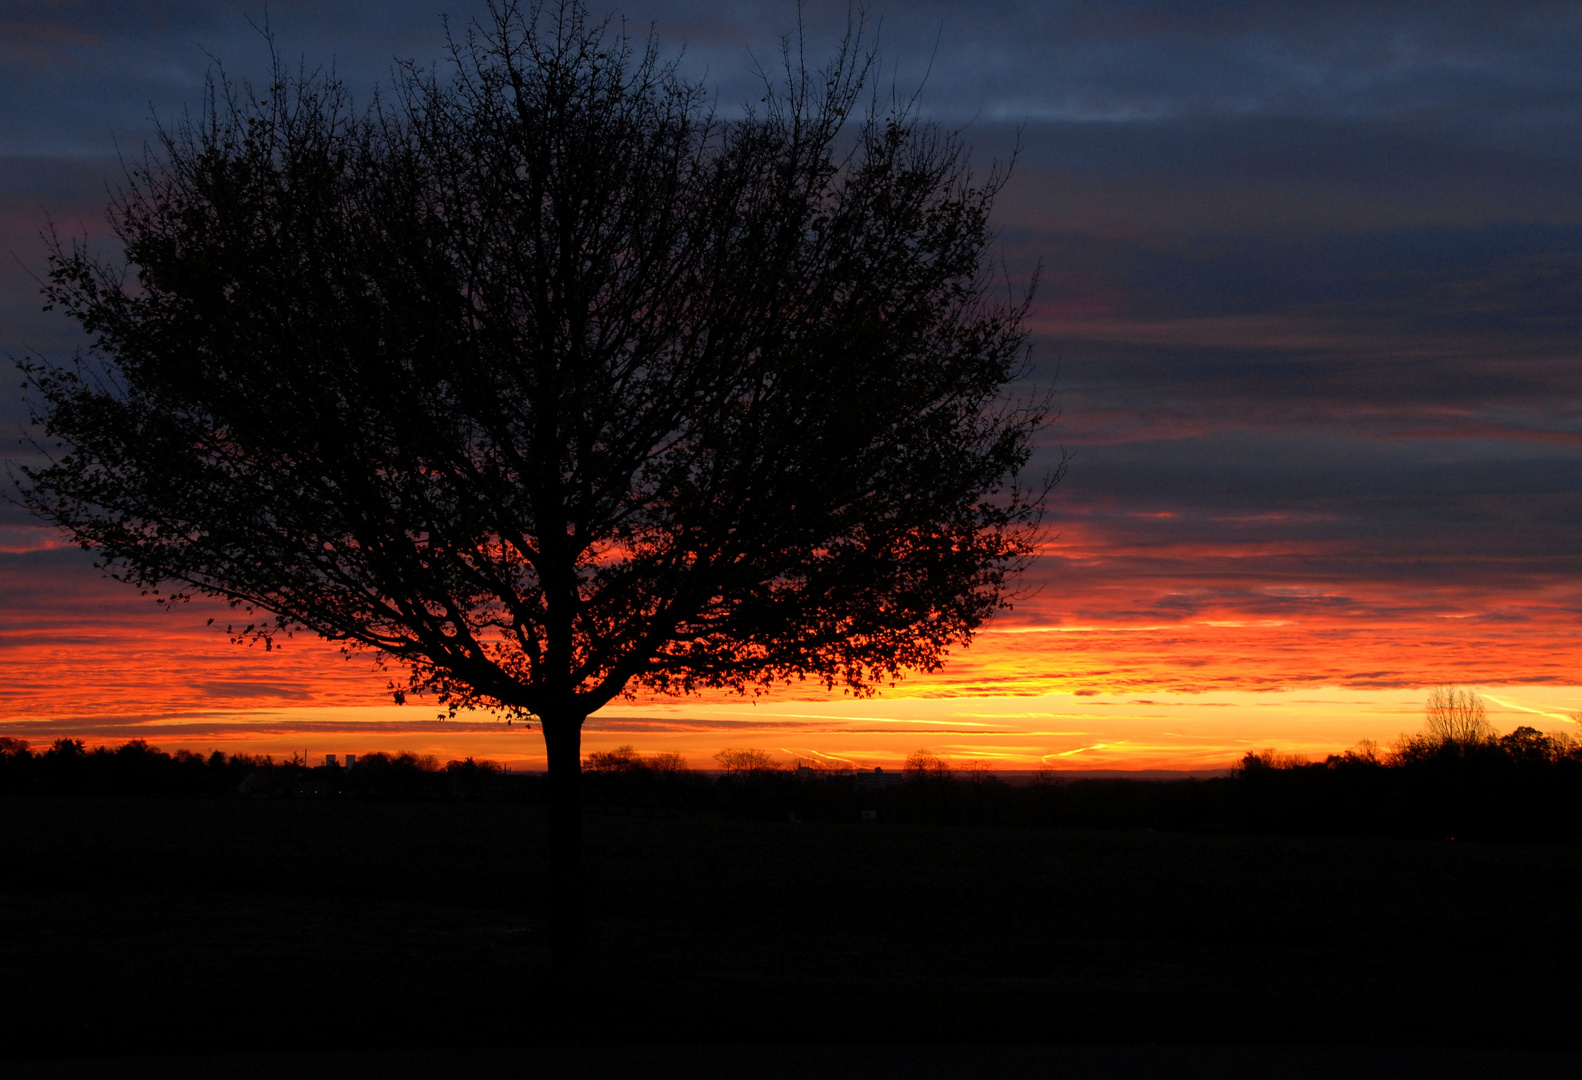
1190	695
1070	731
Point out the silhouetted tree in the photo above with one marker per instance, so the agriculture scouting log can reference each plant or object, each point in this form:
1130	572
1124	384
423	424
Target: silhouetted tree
622	759
925	765
928	779
1528	745
1364	754
549	384
471	778
16	764
1455	718
748	762
1255	760
666	763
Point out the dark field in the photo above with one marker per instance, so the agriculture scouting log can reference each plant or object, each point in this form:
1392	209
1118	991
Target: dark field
192	926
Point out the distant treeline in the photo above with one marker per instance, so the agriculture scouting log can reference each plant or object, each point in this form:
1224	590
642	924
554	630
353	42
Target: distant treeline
1468	786
68	767
1524	786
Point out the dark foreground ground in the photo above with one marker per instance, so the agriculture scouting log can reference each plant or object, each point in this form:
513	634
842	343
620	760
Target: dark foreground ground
236	937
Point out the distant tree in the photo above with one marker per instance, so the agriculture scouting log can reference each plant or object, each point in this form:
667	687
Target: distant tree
1047	775
927	780
549	385
16	761
1455	717
666	763
622	759
1529	745
1365	752
67	750
1256	760
471	766
749	762
472	778
926	765
977	772
402	776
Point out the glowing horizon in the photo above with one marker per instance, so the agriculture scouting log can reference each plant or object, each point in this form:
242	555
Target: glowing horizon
1193	694
1062	731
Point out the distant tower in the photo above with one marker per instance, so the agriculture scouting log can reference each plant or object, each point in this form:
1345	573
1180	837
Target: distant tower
329	759
351	759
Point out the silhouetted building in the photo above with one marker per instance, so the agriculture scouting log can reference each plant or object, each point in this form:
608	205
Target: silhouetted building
878	778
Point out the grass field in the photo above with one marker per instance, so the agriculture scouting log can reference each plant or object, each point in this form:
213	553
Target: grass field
221	925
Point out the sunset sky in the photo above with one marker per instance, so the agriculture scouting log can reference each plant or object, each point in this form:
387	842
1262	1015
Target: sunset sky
1312	302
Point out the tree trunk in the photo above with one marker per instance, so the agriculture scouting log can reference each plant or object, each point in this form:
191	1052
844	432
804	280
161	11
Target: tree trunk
567	920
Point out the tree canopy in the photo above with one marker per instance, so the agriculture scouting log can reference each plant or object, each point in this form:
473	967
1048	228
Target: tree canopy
550	383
